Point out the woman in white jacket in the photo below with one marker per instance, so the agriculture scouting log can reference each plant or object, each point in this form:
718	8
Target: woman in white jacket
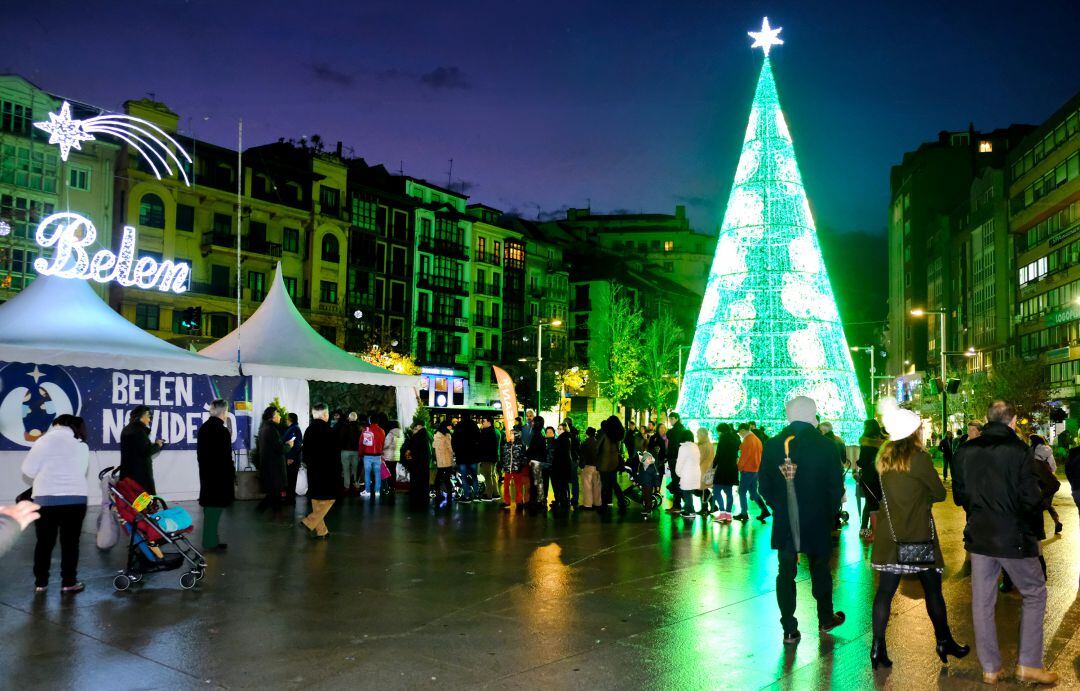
688	468
57	464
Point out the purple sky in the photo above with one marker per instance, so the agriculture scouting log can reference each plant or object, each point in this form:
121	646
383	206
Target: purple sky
542	105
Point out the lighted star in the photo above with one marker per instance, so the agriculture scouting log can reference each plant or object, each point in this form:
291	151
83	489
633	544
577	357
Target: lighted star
767	37
68	134
36	374
5	228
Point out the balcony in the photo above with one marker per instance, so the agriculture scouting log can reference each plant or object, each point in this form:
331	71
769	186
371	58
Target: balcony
447	246
492	289
485	320
452	284
269	249
442	357
218	238
485	354
217	289
536	292
488	258
442	320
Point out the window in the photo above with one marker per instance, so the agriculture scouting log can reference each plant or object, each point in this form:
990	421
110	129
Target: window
79	179
328	332
15	118
328	292
146	316
986	146
290	286
222	223
219	325
257	285
397	261
151	211
669	245
290	240
34	169
479	340
330	248
481	244
329	200
397	296
363	213
185	217
401	225
479	378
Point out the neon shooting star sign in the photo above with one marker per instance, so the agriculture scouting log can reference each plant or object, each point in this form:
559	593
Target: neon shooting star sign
71	233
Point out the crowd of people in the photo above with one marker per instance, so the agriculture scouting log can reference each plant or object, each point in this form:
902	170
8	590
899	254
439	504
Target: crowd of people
1003	484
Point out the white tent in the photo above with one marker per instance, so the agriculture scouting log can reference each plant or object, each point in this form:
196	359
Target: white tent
281	352
63	322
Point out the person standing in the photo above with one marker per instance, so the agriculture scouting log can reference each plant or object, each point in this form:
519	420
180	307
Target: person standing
217	474
996	481
750	450
416	454
57	464
372	441
707	453
391	456
947	446
561	468
1072	473
137	451
608	459
725	471
590	474
630	442
869	482
575	456
444	462
1044	458
515	469
322	457
487	455
466	442
536	453
910	487
676	435
348	430
688	468
805	495
294	439
271	455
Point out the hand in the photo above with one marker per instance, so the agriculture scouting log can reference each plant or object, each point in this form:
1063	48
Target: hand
290	462
160	442
25	512
290	443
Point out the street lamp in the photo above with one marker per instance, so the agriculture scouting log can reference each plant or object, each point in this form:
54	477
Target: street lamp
921	312
873	370
540	353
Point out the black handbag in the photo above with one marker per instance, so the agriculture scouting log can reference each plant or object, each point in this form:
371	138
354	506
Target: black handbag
911	553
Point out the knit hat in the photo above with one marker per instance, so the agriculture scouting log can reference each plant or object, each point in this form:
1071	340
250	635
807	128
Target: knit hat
802	409
901	423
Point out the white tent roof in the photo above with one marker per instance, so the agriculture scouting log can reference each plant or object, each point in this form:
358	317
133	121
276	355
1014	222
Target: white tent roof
62	321
277	341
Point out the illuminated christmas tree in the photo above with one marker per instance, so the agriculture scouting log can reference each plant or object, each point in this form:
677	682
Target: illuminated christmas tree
769	328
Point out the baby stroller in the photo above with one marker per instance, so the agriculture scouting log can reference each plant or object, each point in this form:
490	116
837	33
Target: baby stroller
842	516
645	487
151	524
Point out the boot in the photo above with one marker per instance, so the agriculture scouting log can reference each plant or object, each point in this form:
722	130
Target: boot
947	646
878	654
1035	675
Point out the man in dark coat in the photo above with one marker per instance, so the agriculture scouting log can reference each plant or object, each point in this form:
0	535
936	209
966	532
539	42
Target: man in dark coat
217	473
676	435
322	457
996	481
416	454
466	443
804	510
137	451
575	456
487	457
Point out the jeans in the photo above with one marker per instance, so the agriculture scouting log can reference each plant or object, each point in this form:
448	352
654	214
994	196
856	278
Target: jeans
820	586
211	519
1028	578
935	602
350	468
65	520
470	489
726	501
748	486
372	474
688	500
316	520
443	485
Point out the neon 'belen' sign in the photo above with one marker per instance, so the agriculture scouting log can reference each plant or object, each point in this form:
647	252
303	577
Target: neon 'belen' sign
71	233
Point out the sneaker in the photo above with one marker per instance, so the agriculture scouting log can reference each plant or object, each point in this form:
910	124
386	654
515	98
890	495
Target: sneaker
838	618
741	517
40	588
76	587
687	514
365	495
465	500
792	637
505	506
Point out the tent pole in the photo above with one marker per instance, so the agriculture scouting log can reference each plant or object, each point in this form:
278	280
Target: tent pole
239	225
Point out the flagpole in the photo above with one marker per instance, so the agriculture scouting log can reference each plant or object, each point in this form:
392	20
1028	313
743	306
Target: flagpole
239	226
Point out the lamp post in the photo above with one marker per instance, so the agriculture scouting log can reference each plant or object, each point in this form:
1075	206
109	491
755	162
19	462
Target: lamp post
540	353
873	370
920	312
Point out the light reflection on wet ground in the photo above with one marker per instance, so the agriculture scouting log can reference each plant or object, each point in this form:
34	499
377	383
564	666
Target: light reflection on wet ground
485	597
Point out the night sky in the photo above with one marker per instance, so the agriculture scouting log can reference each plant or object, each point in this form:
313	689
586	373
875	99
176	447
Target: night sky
633	105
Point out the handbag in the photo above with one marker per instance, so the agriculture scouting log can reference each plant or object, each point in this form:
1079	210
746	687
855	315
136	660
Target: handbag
384	473
301	481
911	553
707	478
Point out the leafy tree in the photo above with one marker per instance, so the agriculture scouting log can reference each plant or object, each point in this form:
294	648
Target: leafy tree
615	355
401	363
660	350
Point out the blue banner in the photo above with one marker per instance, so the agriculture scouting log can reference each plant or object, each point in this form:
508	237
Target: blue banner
31	396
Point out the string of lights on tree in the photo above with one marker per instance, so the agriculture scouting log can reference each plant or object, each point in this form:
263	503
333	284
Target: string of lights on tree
769	328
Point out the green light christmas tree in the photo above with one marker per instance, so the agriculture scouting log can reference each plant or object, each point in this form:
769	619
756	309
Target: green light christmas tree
769	328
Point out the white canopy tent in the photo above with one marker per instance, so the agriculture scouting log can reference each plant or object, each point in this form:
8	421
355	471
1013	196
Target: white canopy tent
281	352
60	321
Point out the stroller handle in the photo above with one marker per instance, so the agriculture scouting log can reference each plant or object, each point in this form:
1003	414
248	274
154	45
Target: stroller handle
106	471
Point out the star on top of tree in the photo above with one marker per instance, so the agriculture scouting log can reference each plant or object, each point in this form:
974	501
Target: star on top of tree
767	37
65	132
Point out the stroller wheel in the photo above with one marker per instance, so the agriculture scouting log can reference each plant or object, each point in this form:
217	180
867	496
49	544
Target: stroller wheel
188	580
135	577
121	582
199	574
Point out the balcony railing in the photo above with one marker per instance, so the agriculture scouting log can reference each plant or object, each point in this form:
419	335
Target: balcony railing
492	289
224	291
488	258
442	320
443	283
446	246
485	354
270	249
485	320
218	238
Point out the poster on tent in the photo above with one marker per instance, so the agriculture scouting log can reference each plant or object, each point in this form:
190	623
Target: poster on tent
32	395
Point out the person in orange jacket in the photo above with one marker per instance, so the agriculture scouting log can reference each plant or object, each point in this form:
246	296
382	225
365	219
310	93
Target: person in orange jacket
749	464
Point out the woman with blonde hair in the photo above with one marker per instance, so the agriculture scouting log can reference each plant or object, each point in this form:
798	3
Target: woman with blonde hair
708	455
908	544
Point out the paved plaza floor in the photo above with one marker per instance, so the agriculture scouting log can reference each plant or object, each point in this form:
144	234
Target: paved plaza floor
479	597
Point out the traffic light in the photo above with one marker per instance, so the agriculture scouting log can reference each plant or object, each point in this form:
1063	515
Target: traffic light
191	321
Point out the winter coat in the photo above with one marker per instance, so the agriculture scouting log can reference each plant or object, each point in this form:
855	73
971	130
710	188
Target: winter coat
391	450
322	457
137	453
562	465
658	447
868	474
487	448
416	454
444	450
297	436
513	455
217	474
348	433
1048	482
271	458
750	450
726	461
1045	454
372	441
58	463
466	442
676	436
588	452
630	442
1072	469
608	454
909	496
998	486
537	448
707	456
688	465
819	487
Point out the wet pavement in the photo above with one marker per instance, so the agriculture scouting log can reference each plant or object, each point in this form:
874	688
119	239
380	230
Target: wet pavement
483	597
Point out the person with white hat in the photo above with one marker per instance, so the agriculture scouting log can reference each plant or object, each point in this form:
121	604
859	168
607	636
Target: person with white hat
907	543
802	482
